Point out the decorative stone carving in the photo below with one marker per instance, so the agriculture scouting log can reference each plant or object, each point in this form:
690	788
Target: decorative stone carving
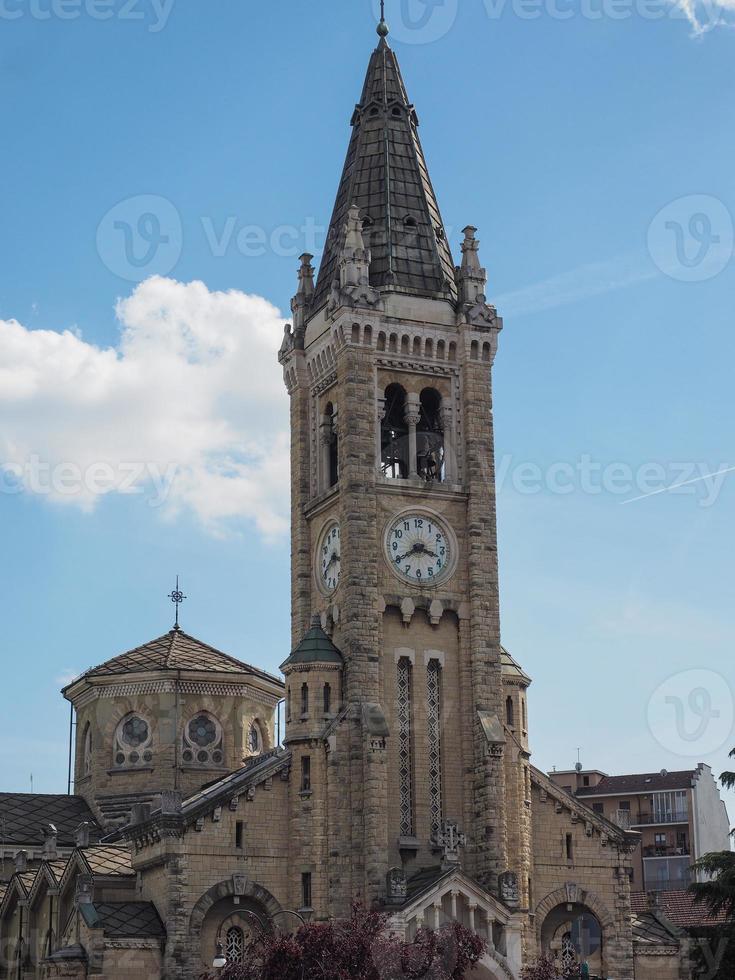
353	288
84	887
572	892
396	886
239	883
301	303
472	305
436	611
408	608
508	888
450	838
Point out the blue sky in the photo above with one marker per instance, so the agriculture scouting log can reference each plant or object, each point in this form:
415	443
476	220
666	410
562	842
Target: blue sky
592	145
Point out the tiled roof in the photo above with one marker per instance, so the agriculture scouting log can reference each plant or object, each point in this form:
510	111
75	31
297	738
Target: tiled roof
639	783
650	931
316	647
125	920
108	859
510	667
23	814
424	880
679	907
386	176
175	650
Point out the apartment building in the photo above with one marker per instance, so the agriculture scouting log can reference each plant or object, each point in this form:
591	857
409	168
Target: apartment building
679	815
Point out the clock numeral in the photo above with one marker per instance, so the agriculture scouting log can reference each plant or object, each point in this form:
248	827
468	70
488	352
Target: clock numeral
418	522
398	534
406	526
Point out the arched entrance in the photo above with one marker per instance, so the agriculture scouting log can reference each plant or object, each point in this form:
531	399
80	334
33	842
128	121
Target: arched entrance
229	913
572	935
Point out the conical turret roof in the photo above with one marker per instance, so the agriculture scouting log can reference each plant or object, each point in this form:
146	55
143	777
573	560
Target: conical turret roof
316	647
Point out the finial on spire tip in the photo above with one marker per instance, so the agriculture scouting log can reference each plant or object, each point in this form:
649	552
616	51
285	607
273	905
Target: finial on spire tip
383	29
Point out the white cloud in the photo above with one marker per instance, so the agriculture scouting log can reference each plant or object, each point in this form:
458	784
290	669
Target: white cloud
189	410
705	15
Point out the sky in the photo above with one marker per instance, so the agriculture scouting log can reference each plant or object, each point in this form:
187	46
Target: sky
165	164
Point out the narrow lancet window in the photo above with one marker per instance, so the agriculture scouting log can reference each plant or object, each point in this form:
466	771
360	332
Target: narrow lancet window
405	747
433	714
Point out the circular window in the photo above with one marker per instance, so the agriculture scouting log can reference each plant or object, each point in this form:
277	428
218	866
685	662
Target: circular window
119	758
135	731
202	730
202	741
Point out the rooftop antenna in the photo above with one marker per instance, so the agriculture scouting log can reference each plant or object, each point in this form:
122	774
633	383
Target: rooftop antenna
579	765
383	29
177	597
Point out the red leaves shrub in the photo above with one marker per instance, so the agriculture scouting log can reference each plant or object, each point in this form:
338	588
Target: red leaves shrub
358	948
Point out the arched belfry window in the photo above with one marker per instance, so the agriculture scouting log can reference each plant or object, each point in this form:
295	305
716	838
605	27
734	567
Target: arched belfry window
202	741
510	715
430	437
394	434
133	742
330	449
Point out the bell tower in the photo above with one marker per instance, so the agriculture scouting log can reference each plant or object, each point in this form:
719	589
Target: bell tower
388	368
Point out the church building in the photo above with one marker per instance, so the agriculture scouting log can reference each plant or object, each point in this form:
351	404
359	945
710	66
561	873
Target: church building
404	778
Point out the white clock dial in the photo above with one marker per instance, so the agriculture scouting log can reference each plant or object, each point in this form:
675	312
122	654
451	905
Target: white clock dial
328	557
419	548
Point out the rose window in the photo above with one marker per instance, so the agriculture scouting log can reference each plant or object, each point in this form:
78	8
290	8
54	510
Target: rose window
133	740
203	742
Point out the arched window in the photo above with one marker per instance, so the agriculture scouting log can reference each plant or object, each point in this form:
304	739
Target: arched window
430	437
304	700
133	743
234	945
255	739
327	699
330	451
87	750
394	434
202	741
510	715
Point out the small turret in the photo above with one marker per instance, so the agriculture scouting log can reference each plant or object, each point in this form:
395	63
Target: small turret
313	683
471	279
301	303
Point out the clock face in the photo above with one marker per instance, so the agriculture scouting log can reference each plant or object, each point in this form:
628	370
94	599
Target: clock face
419	548
329	558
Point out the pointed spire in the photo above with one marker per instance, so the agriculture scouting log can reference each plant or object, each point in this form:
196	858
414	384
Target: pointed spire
386	177
472	305
301	303
383	29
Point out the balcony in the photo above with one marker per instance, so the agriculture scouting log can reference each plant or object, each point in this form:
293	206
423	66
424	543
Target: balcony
647	819
666	851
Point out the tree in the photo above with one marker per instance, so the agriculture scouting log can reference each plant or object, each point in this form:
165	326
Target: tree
714	946
546	969
359	948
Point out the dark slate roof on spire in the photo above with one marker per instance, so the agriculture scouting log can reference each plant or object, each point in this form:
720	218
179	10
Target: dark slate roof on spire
385	175
175	650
